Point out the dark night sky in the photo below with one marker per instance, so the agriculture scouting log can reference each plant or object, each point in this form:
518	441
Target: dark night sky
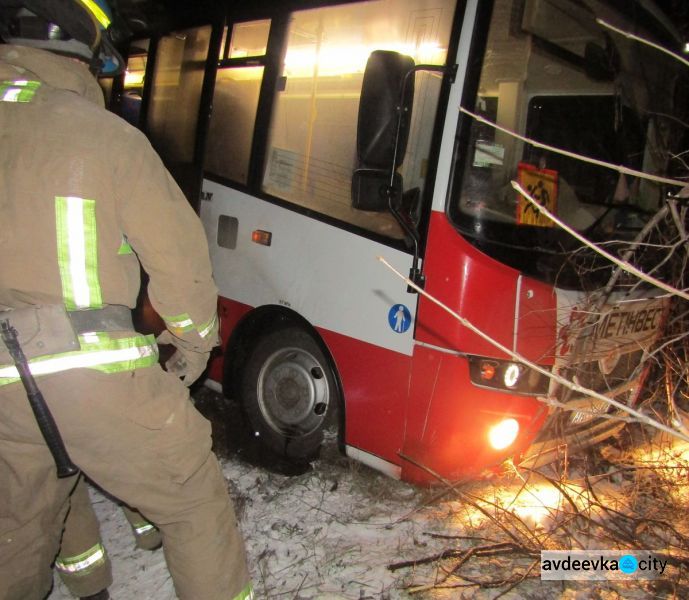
159	13
678	10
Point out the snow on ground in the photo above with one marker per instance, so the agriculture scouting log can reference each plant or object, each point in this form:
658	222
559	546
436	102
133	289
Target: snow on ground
331	532
328	533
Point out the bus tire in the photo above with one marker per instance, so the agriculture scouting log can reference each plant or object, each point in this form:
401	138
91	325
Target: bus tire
288	393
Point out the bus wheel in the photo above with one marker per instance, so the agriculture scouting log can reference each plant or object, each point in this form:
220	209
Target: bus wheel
288	393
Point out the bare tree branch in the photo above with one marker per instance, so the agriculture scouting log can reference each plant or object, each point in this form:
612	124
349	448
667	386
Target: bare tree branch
625	266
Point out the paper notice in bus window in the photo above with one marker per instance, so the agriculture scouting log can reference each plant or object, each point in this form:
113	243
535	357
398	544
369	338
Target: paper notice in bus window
281	169
487	154
541	184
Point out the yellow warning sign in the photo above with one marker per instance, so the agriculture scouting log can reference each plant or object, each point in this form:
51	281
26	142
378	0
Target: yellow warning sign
542	187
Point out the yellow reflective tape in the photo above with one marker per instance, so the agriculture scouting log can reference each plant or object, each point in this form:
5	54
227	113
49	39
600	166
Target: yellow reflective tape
183	323
246	594
21	90
77	252
87	560
125	248
110	356
12	95
209	327
97	12
177	319
180	323
144	529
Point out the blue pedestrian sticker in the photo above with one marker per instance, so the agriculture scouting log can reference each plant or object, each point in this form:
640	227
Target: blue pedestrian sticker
399	318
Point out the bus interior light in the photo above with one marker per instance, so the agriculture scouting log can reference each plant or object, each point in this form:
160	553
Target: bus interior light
503	434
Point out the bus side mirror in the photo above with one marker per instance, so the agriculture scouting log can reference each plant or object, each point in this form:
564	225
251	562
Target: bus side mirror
385	106
371	189
601	63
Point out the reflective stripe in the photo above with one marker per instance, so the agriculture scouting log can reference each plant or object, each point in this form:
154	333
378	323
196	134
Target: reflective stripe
246	594
144	529
85	561
21	90
97	12
11	95
180	323
77	252
125	248
209	327
93	337
98	351
183	323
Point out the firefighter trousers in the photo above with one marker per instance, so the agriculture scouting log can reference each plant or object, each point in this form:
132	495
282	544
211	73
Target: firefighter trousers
137	436
83	563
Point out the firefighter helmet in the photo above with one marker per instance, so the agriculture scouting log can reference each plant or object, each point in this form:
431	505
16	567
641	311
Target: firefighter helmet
78	28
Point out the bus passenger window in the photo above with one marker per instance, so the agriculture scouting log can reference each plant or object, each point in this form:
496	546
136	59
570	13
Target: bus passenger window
232	122
311	153
248	39
130	103
177	81
235	101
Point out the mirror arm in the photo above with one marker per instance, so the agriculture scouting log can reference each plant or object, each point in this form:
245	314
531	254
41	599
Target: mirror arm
402	109
415	274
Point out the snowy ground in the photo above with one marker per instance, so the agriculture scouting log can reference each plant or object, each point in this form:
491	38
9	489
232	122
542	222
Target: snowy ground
333	531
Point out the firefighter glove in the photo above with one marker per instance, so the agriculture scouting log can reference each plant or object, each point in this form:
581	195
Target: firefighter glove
185	363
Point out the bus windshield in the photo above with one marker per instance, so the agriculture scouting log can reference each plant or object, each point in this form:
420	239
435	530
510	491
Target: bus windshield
565	74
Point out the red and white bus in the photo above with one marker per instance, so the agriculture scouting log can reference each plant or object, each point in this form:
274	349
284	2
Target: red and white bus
319	136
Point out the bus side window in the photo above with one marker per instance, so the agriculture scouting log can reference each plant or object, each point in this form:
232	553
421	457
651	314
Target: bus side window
235	101
174	102
130	102
311	153
231	129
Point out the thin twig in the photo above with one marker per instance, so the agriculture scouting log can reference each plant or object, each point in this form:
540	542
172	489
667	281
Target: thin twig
464	496
625	266
581	157
631	36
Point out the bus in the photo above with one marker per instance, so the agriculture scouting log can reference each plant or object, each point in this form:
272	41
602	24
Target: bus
317	137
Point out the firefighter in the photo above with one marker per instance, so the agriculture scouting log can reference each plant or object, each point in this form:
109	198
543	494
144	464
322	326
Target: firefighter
83	563
84	202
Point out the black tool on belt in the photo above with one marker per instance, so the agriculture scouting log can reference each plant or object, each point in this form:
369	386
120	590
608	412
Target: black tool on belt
46	423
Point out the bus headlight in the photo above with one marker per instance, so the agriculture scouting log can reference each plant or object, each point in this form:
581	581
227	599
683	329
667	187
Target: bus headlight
511	375
506	376
503	433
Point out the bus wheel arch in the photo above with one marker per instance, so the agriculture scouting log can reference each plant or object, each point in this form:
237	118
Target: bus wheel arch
282	373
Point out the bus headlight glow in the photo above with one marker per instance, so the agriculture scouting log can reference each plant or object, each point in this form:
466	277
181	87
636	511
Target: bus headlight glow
503	434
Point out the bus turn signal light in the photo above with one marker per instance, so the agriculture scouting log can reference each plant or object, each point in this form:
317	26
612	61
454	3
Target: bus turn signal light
488	368
261	237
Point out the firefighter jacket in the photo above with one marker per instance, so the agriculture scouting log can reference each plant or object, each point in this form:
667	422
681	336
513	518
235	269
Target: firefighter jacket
84	198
